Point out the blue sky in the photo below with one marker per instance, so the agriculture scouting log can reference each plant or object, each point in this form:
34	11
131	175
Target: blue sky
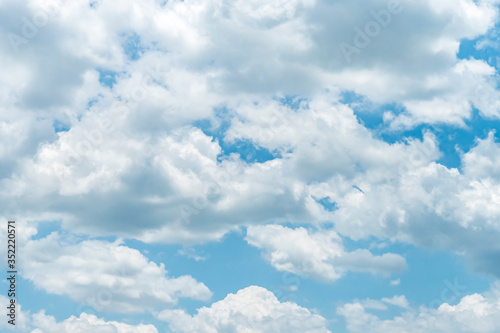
252	166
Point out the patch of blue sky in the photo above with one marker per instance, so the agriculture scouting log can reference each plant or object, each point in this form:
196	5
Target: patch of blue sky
46	228
294	102
132	46
429	272
90	104
249	151
483	48
230	265
59	126
327	204
107	78
368	113
453	140
218	126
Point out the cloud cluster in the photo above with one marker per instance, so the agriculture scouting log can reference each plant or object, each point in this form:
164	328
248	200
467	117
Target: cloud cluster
320	254
85	323
181	188
432	206
253	309
104	276
42	323
126	121
117	122
473	314
130	84
177	186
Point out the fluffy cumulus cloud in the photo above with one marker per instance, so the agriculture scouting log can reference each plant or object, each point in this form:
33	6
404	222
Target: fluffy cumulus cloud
391	191
474	313
253	309
432	205
85	323
128	122
105	276
156	182
42	323
124	94
396	192
318	254
217	37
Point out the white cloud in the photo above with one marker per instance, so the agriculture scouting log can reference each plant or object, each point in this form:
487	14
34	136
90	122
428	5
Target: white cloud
473	83
169	180
429	205
131	157
192	254
186	182
398	301
42	323
484	160
400	191
131	166
396	282
253	309
473	314
106	276
84	324
320	254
